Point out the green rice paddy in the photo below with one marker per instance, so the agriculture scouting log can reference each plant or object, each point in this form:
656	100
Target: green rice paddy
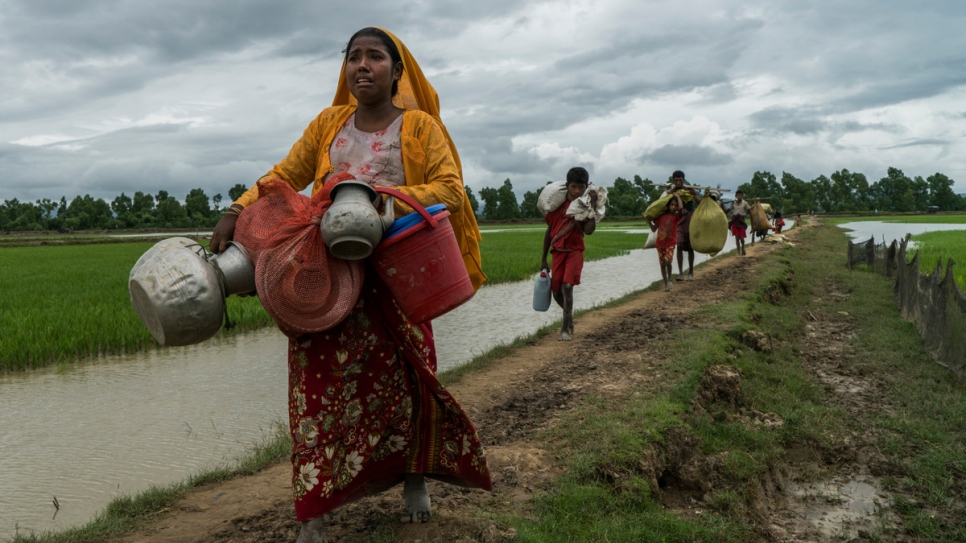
61	303
934	246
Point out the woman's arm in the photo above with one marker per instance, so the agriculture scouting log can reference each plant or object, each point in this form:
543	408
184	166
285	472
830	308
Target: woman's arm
432	175
297	169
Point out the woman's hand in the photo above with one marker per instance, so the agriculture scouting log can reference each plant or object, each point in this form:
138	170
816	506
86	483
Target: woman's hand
544	265
223	233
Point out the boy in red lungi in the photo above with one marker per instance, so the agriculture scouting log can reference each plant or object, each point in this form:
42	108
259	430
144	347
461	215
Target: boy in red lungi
666	227
565	238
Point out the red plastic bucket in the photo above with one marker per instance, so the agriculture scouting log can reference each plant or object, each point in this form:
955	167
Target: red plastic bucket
423	265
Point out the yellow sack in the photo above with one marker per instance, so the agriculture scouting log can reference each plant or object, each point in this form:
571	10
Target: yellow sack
767	208
709	227
759	220
659	206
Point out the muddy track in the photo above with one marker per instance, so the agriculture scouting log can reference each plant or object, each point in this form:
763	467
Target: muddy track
518	395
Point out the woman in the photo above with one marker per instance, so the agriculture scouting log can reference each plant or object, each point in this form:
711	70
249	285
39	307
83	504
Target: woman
365	408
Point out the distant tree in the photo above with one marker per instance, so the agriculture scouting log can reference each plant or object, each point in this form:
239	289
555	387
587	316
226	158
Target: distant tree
87	213
941	193
474	203
823	192
122	206
507	208
491	202
894	192
624	199
169	212
799	195
235	192
763	185
920	193
849	191
197	207
528	207
216	199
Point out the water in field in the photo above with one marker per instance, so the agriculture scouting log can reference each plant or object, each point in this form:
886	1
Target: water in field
121	424
888	231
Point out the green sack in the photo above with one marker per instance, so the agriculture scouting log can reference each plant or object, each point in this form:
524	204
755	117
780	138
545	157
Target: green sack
659	206
709	227
759	220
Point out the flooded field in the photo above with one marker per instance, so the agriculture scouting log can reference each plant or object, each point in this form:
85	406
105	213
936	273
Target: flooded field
121	424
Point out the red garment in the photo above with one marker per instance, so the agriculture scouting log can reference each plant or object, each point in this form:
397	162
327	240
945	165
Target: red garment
366	408
565	267
738	231
564	231
667	229
665	254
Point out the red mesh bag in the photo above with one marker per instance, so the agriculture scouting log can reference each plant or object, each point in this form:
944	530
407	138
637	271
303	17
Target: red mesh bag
299	283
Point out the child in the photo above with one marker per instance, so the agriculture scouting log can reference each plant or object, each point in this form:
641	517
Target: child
565	237
739	210
666	227
779	221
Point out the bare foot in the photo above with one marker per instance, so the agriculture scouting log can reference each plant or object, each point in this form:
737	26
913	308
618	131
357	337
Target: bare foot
564	336
313	531
418	506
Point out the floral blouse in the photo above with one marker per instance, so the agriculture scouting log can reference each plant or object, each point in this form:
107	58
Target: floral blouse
372	157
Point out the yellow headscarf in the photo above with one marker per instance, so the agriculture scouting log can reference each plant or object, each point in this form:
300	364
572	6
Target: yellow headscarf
414	92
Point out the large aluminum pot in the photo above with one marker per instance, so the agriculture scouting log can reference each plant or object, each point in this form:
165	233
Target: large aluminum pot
180	296
351	227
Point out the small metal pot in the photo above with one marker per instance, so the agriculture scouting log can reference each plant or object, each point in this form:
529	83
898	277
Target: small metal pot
351	227
236	269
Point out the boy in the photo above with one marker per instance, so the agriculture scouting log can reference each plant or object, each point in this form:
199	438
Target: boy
565	237
739	210
666	227
684	224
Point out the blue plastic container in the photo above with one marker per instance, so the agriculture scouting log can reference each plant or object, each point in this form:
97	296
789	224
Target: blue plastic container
541	291
411	220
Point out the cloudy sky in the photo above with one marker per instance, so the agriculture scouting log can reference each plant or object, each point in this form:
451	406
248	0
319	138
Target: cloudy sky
101	97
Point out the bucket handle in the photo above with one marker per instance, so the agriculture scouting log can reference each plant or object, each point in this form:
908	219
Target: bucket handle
412	203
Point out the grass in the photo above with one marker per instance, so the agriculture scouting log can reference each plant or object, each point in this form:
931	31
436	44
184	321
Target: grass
61	303
934	247
924	436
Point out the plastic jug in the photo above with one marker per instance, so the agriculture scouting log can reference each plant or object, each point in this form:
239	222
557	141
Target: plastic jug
541	291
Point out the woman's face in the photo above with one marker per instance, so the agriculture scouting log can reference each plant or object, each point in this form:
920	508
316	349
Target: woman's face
369	70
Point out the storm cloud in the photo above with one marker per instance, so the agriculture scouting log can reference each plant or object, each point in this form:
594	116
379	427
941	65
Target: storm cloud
108	96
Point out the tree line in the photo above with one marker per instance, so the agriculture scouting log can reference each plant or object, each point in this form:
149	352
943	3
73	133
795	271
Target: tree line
841	192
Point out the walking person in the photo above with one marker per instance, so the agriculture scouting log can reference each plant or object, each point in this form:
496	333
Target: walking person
564	240
739	210
779	221
366	410
684	224
666	227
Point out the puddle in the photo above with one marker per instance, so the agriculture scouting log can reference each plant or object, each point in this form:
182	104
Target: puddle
840	509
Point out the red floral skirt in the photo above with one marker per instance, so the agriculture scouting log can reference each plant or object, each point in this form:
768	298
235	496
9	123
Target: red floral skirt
366	408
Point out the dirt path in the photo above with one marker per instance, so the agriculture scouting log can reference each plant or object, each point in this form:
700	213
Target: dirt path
516	396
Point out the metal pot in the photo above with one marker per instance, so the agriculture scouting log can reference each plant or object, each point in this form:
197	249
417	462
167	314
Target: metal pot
178	290
237	271
352	227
